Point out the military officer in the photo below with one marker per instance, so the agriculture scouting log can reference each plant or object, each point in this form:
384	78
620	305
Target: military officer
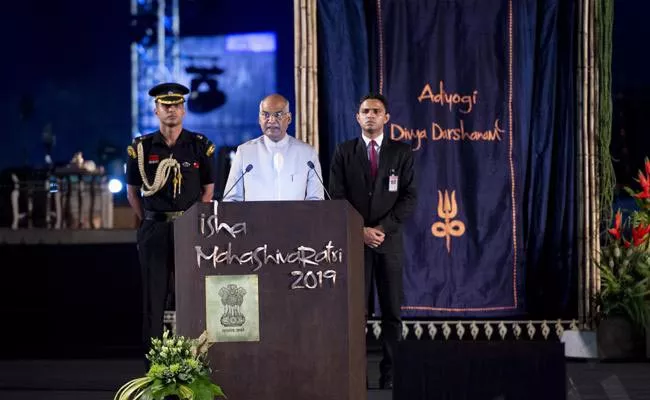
167	172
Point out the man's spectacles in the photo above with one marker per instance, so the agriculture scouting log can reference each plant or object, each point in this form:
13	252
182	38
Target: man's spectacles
277	114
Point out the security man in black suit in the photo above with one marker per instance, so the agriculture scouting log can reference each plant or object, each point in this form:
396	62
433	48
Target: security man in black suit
167	172
376	175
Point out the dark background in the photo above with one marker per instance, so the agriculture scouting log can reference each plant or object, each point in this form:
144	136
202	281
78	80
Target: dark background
66	65
630	89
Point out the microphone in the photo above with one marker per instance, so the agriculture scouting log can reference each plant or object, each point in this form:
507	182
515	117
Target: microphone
248	169
311	166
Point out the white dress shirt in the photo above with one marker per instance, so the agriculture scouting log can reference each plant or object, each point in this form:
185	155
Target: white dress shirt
280	171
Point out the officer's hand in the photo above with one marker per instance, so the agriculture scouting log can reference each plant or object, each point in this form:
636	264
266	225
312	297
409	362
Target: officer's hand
373	237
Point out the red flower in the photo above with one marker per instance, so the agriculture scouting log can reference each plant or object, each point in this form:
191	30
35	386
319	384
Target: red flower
639	234
643	195
644	181
616	230
647	166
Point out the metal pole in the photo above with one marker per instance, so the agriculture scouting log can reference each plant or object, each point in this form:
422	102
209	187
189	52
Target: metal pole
161	37
135	131
176	49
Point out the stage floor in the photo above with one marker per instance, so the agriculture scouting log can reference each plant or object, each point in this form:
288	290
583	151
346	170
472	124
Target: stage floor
98	379
95	379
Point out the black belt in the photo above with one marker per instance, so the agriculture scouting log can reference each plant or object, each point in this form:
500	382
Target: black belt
162	216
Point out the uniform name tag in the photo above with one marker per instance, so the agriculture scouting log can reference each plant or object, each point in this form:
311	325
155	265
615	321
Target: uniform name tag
393	182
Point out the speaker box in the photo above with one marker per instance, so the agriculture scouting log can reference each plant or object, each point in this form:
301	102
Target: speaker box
464	370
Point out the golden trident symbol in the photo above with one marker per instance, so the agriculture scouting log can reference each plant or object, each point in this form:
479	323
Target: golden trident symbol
447	210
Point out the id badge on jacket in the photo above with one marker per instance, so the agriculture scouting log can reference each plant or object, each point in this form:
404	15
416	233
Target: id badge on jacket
393	181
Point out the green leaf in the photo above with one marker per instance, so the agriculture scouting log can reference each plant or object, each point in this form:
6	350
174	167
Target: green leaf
168	391
186	393
184	376
216	391
204	389
131	388
146	395
201	390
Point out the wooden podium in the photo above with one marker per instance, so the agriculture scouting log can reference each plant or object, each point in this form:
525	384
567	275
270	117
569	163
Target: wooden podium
279	287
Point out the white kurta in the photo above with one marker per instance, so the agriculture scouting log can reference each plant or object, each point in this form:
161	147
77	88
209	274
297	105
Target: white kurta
280	171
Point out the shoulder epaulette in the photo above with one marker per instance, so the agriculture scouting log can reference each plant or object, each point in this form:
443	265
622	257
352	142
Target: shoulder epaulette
201	138
132	149
142	138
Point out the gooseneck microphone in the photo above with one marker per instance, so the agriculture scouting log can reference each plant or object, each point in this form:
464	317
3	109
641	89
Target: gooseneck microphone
248	169
311	166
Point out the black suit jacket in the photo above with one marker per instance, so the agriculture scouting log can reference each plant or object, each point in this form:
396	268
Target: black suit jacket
350	180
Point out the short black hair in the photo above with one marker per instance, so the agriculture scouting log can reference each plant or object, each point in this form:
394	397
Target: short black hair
374	96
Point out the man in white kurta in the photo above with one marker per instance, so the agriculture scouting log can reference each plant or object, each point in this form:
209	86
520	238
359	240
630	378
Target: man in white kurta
280	167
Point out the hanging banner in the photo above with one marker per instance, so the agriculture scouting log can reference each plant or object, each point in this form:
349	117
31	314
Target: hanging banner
446	68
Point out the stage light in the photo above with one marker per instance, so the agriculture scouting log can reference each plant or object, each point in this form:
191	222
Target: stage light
115	186
205	93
